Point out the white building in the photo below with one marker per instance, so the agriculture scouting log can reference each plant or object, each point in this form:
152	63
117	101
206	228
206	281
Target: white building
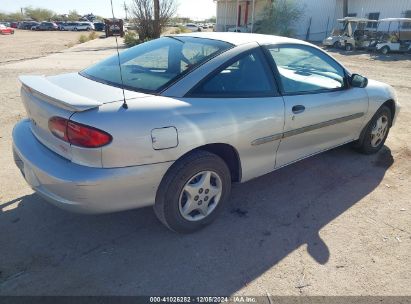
319	15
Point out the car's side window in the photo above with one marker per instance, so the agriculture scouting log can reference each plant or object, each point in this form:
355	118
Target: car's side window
304	69
248	76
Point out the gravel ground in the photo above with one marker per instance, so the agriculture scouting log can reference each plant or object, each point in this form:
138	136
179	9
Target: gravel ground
335	224
25	44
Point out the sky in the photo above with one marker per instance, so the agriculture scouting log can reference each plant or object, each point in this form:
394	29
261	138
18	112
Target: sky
195	9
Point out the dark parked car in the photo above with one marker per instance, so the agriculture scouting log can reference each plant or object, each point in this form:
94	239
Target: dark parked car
45	26
99	26
27	25
14	24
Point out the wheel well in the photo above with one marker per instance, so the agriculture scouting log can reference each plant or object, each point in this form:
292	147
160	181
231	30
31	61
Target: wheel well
229	154
390	103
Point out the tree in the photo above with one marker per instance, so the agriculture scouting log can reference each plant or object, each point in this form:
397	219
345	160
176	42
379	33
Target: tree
144	13
73	15
38	14
279	17
17	16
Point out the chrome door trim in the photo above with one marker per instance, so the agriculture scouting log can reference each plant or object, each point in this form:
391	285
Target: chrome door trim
294	132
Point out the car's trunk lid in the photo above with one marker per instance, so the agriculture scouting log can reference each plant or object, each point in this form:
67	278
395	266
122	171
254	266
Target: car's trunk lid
63	95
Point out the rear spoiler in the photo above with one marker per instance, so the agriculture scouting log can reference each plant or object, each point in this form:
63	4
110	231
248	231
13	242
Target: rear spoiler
52	93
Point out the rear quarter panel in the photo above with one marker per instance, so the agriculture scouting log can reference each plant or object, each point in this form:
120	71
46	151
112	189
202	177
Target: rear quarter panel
198	121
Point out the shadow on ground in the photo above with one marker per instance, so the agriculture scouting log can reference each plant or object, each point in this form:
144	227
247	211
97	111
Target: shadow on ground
47	251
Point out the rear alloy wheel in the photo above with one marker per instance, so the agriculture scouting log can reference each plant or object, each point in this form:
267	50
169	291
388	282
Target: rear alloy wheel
376	131
193	192
200	196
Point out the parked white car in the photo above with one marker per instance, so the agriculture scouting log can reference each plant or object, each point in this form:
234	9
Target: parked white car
77	26
193	27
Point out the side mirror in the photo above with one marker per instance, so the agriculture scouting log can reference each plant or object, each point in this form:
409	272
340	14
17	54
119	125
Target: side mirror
358	81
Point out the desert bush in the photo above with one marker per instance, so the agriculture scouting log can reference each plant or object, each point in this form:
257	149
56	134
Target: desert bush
93	35
279	18
180	30
131	39
83	38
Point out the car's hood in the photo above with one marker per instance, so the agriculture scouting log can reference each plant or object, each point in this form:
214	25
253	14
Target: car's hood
75	92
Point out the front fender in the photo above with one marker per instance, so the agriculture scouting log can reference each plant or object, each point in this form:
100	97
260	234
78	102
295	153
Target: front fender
378	94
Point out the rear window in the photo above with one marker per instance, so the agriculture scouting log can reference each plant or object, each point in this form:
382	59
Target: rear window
152	66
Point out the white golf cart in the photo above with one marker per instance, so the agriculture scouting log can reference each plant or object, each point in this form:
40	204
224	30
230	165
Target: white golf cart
398	40
356	35
334	39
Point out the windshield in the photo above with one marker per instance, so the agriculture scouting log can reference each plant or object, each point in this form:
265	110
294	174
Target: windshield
152	66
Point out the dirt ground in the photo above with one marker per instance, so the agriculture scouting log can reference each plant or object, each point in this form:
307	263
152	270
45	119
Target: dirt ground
25	44
335	224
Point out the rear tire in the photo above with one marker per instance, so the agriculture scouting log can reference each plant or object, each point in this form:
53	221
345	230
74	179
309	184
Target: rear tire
375	133
348	47
385	50
193	192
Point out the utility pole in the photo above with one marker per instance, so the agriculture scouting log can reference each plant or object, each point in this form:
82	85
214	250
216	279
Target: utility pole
157	18
125	9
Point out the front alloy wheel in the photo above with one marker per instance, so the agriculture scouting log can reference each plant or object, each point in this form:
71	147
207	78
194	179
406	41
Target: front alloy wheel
375	133
379	130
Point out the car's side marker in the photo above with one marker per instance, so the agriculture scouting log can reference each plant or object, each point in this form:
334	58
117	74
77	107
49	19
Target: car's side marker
290	133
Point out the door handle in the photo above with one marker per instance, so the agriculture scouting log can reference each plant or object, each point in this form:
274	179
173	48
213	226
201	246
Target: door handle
298	109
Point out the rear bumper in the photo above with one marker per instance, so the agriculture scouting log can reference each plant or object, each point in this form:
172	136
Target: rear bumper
79	188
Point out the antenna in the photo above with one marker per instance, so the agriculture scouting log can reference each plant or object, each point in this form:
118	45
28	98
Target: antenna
125	106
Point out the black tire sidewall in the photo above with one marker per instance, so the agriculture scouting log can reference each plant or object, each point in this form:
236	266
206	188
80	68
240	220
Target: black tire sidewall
167	201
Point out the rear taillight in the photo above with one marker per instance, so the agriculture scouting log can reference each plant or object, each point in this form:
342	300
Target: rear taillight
78	134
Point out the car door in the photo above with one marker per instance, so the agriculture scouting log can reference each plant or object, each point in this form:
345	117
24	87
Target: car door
238	104
321	109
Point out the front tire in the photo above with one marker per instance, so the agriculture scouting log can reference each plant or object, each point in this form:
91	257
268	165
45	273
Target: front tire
376	132
193	192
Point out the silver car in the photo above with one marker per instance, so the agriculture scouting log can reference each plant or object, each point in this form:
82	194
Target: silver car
77	26
198	112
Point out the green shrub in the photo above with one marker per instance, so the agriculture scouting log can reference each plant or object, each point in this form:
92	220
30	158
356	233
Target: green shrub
180	30
83	38
279	18
93	35
131	39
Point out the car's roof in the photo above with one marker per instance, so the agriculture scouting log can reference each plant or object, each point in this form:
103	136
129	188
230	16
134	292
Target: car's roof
243	38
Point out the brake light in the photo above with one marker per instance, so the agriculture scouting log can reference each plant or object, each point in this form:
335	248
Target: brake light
78	134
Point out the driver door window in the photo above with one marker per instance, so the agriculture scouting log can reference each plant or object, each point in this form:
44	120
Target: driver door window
247	76
304	69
